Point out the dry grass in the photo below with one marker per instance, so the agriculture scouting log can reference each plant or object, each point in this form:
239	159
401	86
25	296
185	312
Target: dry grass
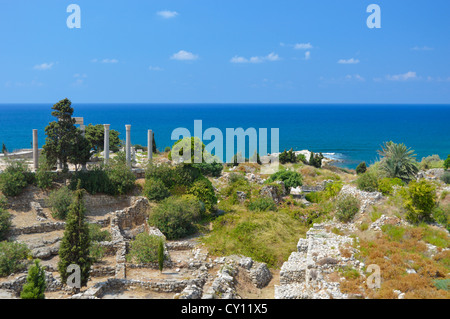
398	251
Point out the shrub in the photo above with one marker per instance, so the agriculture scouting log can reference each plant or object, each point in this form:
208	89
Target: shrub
361	168
14	179
302	158
167	149
442	284
144	249
442	216
316	160
210	169
289	178
114	179
13	257
433	161
367	182
44	176
59	200
446	178
204	191
5	223
121	177
262	204
176	216
346	208
36	285
420	200
386	185
97	234
163	172
154	189
313	197
447	162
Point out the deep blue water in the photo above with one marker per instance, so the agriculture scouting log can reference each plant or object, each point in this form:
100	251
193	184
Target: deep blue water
353	132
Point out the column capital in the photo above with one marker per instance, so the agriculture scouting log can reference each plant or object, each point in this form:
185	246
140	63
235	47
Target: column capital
107	126
128	127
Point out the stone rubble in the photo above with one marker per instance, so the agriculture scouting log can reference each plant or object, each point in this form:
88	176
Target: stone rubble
366	198
303	276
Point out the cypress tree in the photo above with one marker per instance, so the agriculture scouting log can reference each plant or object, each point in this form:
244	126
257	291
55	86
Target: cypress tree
35	286
161	255
75	244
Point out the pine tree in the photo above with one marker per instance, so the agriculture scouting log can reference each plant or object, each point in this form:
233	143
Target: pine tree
4	149
75	244
161	255
36	285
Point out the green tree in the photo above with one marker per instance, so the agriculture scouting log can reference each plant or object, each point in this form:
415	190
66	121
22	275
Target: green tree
75	245
95	134
420	200
361	168
36	285
316	160
398	161
447	162
4	149
64	141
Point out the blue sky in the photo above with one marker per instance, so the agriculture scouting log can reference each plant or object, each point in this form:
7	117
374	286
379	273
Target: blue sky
205	51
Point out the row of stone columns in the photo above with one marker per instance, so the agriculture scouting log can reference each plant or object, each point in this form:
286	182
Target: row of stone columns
105	148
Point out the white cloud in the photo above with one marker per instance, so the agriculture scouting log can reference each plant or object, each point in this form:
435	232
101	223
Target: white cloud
303	46
425	48
110	61
44	66
273	57
155	68
105	61
256	59
184	56
166	14
402	77
349	61
307	55
356	77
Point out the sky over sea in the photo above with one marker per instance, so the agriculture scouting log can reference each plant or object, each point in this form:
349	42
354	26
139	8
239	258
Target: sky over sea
205	51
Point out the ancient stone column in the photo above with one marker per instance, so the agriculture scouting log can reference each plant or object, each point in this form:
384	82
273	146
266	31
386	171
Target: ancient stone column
128	145
83	129
106	145
35	150
150	145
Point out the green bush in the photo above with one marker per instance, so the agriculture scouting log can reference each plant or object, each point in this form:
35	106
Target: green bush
97	234
346	208
367	182
5	223
13	257
167	149
361	168
442	216
210	169
59	200
386	185
446	178
447	162
316	160
433	161
144	249
204	191
313	197
96	252
114	179
420	200
36	285
163	172
262	204
154	189
14	179
176	217
442	284
289	178
44	176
